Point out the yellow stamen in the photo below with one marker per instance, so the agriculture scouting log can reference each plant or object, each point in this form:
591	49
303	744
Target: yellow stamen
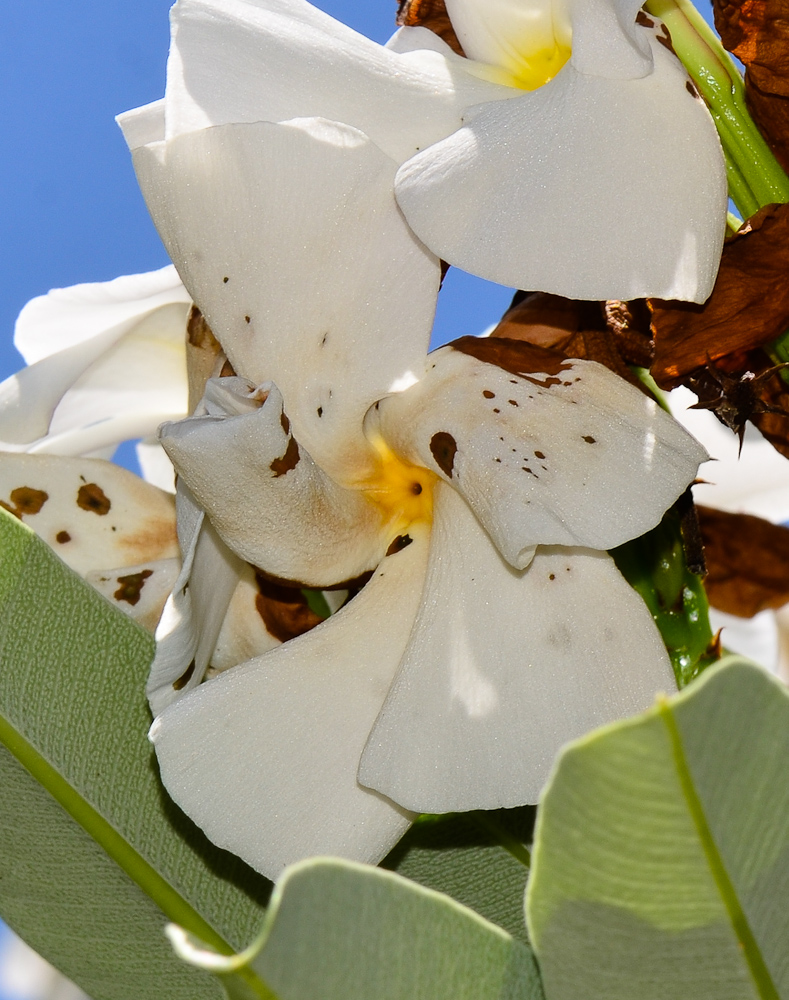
404	492
524	69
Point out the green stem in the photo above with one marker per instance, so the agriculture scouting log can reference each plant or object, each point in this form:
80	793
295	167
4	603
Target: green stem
758	178
518	850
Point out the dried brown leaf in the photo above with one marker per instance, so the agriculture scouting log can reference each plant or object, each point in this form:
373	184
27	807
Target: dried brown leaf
749	305
605	332
757	32
747	562
430	14
773	420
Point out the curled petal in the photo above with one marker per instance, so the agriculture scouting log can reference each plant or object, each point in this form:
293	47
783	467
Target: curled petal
245	61
546	450
269	501
603	188
264	757
503	667
92	513
106	360
280	232
195	610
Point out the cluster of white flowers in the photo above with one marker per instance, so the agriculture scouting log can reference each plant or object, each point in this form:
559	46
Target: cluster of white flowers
307	183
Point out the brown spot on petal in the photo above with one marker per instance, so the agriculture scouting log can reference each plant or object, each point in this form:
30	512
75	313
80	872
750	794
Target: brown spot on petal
62	537
92	497
399	543
488	394
589	439
512	402
539	454
444	448
225	280
130	587
27	501
664	37
284	422
284	610
183	680
281	466
644	19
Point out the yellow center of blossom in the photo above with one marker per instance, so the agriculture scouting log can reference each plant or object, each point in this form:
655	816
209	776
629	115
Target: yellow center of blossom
524	69
402	491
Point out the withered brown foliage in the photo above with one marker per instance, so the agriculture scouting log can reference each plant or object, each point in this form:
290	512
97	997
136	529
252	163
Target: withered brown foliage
748	308
615	334
757	32
430	14
747	562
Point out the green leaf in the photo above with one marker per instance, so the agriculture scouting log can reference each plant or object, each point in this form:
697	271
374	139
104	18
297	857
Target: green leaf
343	931
464	856
661	861
94	858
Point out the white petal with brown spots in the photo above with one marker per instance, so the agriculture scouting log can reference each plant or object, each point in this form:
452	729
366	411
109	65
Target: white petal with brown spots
93	514
547	451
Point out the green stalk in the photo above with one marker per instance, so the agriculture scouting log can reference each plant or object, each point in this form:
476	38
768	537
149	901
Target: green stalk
756	178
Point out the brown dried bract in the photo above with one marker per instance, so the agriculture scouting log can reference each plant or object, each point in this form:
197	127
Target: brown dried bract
748	308
772	417
757	32
747	562
284	610
614	334
430	14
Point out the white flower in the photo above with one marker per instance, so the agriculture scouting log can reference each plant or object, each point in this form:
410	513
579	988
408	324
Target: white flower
106	363
451	680
604	181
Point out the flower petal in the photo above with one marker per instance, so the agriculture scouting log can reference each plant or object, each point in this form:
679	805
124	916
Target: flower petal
110	351
280	232
752	481
546	450
241	61
603	188
92	513
503	667
263	757
266	497
193	615
139	591
67	316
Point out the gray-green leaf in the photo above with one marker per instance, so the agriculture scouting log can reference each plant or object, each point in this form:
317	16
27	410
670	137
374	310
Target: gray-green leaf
343	931
94	859
661	861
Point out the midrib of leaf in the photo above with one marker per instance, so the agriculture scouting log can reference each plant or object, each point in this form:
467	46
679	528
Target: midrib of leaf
169	901
753	956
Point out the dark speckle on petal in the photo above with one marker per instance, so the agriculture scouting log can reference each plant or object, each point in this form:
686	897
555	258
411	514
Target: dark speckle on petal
93	498
488	394
130	587
62	537
399	544
589	439
27	500
444	447
281	466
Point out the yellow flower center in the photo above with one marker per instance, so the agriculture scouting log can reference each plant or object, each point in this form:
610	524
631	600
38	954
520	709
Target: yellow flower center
524	69
402	491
